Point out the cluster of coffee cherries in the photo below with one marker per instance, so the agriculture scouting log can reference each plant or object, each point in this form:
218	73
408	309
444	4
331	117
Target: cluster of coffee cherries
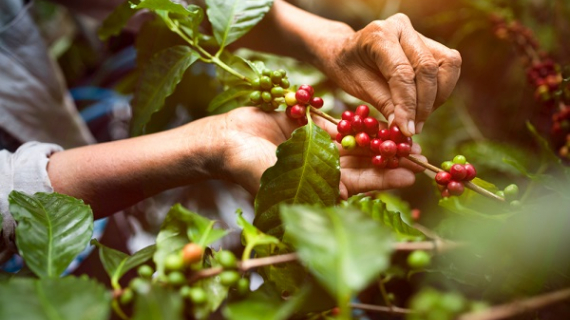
450	181
298	102
510	193
515	32
546	77
357	129
178	267
269	89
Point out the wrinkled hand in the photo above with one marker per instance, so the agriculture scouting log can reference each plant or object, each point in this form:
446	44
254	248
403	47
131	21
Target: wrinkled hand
388	64
251	137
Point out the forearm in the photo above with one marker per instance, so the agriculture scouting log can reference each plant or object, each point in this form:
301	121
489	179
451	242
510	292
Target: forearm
288	30
112	176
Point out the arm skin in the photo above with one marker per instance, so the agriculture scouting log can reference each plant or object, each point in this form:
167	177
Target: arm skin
388	64
237	146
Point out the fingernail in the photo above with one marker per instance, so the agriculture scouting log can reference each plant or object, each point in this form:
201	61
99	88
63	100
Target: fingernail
390	119
412	126
420	127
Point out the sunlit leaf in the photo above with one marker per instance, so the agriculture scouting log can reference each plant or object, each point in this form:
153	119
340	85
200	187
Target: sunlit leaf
52	230
307	172
158	80
117	263
231	19
67	298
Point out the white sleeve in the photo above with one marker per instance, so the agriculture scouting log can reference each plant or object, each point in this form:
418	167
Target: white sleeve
24	170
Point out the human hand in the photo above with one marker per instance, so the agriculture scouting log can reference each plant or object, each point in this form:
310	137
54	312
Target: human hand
390	65
250	139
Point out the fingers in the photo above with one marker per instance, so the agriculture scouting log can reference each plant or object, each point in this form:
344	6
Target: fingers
449	62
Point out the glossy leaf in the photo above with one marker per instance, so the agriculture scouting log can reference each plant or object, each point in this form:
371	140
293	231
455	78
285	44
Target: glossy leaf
117	263
307	172
343	248
67	298
232	19
163	5
180	227
158	80
215	290
230	99
254	238
395	220
52	230
156	302
243	66
116	21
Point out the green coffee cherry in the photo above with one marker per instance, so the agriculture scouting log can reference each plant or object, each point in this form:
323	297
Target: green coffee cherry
197	295
145	271
266	72
276	77
459	159
452	302
446	165
174	261
255	97
243	286
277	92
127	296
266	96
515	204
285	83
348	142
137	284
419	259
185	291
265	83
255	84
229	278
227	259
176	278
283	72
511	191
500	193
267	107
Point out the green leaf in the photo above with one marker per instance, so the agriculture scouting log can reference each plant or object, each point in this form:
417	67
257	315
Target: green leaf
243	66
307	172
230	99
163	5
232	19
343	248
67	298
254	238
495	155
158	80
180	227
265	304
117	263
215	290
116	21
395	220
52	230
154	302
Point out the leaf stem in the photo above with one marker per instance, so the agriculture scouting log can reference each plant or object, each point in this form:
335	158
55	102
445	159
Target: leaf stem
117	308
381	309
385	294
324	115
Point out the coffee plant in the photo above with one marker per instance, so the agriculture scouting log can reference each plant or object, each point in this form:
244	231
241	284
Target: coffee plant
496	253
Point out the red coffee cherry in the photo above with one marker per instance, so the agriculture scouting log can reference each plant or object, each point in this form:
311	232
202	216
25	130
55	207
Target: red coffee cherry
302	121
384	134
371	126
445	193
404	149
375	145
302	96
458	172
388	149
344	127
347	115
455	188
339	137
396	135
362	110
470	172
393	163
362	139
297	111
317	102
379	161
288	112
357	124
443	178
307	88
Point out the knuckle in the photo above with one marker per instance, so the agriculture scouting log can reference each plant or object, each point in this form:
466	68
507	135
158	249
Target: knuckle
428	67
401	17
403	73
453	57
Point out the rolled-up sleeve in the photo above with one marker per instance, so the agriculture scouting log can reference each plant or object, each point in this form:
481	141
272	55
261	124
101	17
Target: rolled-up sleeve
24	170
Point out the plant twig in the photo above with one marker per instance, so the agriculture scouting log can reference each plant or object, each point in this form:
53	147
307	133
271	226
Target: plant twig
381	309
437	246
511	309
324	115
384	293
